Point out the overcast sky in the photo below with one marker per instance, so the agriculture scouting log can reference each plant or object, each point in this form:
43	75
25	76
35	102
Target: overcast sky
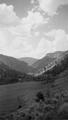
33	28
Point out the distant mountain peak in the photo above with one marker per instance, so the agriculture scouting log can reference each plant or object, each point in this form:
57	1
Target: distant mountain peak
28	60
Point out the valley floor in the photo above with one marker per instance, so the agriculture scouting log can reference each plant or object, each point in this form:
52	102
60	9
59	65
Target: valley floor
14	94
34	101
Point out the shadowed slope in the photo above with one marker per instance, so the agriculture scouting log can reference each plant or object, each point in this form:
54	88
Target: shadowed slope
15	64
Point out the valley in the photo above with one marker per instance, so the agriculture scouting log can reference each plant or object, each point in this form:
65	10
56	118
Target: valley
10	95
18	90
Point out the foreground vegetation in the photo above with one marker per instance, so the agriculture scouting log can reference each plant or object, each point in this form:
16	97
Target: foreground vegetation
44	107
47	101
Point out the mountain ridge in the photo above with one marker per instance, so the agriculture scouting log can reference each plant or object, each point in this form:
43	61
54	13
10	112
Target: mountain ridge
50	58
28	60
15	64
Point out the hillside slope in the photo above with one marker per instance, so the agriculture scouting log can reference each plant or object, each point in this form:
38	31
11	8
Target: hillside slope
50	57
8	75
28	60
49	60
15	64
57	70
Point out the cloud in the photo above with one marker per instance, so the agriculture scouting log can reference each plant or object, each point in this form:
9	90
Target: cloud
14	45
17	45
43	47
51	34
36	34
4	42
59	42
51	6
7	15
21	37
32	1
59	39
16	38
33	20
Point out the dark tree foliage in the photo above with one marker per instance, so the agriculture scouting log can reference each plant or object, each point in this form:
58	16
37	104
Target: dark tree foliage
40	96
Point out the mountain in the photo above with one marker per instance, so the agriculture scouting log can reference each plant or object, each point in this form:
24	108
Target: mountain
28	60
8	75
46	68
57	70
15	64
48	60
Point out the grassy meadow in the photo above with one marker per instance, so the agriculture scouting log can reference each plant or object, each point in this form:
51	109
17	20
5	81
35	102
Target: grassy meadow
13	95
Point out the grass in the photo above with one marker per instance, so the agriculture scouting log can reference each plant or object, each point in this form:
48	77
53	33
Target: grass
20	96
13	95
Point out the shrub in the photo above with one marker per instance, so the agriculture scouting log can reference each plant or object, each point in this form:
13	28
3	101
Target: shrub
40	97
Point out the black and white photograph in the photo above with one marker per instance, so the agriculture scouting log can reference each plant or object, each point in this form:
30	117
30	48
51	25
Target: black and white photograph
33	59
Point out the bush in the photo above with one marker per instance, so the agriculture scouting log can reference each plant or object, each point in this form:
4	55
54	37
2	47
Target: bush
40	97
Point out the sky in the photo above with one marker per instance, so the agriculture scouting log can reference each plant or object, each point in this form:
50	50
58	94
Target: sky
33	28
